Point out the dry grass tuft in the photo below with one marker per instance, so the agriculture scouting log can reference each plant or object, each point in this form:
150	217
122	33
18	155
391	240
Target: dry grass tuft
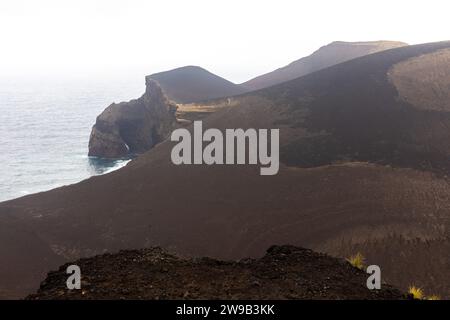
357	261
416	292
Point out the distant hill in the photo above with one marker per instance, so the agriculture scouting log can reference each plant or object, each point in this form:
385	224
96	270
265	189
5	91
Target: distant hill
285	272
192	84
331	54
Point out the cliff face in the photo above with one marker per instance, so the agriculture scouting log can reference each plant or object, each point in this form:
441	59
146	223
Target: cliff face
285	272
133	127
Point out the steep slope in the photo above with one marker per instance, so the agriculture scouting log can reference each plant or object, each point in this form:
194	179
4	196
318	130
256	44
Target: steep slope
326	56
368	164
285	272
192	84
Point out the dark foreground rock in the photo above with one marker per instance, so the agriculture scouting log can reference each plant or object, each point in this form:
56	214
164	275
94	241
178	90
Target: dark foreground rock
133	127
285	272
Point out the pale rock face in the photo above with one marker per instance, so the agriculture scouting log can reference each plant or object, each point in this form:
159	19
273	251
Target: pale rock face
133	127
424	81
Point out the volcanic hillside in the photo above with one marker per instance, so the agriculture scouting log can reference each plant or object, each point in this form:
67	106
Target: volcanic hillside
192	84
365	169
329	55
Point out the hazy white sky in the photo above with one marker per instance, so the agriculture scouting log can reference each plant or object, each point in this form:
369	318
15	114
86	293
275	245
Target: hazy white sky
236	39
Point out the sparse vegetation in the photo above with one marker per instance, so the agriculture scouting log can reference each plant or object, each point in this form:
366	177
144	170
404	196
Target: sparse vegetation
419	294
357	260
416	292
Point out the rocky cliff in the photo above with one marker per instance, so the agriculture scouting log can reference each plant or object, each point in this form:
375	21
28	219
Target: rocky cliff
133	127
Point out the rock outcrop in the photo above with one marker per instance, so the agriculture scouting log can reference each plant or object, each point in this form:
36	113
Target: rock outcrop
133	127
285	272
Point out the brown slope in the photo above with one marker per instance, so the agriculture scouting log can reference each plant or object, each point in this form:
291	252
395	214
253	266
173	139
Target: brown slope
417	262
319	208
285	272
233	212
329	55
191	83
230	212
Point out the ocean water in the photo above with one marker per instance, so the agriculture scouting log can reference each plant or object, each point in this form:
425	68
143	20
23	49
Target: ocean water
45	127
